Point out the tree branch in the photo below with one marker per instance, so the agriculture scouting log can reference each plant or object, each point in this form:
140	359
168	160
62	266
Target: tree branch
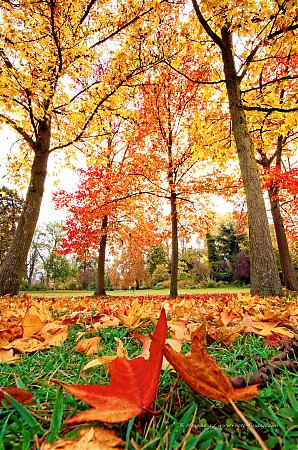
206	27
20	130
269	109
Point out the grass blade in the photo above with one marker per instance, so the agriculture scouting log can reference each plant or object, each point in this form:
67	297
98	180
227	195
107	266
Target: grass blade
56	417
25	414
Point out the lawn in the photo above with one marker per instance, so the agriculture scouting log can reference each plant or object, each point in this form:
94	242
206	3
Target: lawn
143	292
184	419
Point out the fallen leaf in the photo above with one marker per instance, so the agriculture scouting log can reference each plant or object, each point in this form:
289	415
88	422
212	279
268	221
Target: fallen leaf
89	438
132	388
21	395
88	345
7	356
31	324
135	314
225	317
25	345
107	360
204	375
176	345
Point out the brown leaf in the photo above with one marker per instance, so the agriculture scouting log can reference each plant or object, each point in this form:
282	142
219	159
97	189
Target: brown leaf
135	314
25	345
21	395
89	438
204	375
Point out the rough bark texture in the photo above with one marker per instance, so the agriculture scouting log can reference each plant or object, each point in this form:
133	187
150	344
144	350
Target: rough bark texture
288	273
264	274
100	284
175	255
174	220
13	266
289	277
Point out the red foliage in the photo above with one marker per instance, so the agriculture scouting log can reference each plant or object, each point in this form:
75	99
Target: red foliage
132	388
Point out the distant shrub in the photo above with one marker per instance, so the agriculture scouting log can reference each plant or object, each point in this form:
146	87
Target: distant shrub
24	286
188	283
37	287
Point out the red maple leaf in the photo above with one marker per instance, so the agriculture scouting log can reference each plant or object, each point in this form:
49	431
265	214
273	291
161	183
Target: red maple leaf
132	388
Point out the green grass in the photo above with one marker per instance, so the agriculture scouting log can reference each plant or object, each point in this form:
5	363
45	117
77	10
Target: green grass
145	292
187	420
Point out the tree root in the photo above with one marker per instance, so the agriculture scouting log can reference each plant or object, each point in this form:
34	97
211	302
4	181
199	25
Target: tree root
283	360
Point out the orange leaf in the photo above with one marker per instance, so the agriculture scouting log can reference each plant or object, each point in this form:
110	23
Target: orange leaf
88	346
31	325
8	357
132	388
204	375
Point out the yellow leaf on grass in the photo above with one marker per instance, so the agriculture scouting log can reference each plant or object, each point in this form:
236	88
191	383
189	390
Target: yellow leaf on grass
25	345
107	360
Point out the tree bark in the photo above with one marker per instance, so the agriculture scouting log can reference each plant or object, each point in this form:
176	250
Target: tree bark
174	219
288	273
264	273
12	268
100	284
175	254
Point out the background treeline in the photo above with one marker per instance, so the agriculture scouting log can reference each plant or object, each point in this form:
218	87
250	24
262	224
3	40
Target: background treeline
221	259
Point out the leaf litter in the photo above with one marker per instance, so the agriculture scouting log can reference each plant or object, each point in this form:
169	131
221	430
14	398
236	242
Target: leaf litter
30	325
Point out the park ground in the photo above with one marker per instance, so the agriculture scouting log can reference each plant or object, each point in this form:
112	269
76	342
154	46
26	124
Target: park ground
48	337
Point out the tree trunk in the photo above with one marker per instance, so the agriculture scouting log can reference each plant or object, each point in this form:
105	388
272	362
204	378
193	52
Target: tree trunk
175	255
12	268
264	273
100	284
289	277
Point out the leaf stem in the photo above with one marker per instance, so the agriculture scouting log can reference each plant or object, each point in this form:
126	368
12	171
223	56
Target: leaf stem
249	426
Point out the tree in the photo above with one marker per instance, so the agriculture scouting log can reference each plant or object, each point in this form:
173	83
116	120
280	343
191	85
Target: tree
46	240
167	103
160	274
56	75
197	266
157	256
224	19
242	267
106	209
58	268
10	209
223	249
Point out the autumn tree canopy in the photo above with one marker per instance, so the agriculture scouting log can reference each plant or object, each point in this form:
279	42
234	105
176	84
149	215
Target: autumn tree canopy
202	80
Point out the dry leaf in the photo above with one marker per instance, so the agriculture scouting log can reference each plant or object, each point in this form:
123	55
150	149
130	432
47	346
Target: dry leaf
89	438
107	360
132	388
7	356
21	395
25	345
204	375
31	324
88	346
134	316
